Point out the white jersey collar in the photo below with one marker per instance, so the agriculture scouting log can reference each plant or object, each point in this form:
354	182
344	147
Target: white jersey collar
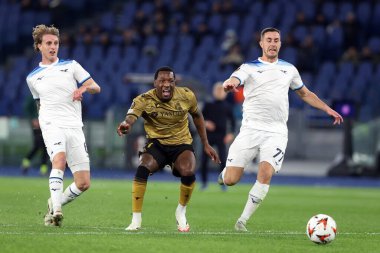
47	65
266	62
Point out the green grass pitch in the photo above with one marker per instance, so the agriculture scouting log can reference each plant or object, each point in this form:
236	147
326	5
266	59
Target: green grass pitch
95	222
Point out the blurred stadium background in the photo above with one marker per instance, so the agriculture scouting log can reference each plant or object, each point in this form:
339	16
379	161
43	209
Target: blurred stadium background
334	44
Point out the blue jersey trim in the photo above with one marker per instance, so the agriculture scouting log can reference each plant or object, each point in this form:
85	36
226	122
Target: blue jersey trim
35	71
299	87
64	62
84	80
238	79
256	63
282	62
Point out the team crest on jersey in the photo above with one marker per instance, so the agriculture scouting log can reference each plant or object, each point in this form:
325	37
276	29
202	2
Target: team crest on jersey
153	114
178	106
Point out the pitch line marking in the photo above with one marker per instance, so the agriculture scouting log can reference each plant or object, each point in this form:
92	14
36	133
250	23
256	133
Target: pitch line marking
120	231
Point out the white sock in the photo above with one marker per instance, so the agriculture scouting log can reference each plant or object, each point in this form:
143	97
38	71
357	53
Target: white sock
136	218
180	209
71	193
223	173
180	215
56	188
255	197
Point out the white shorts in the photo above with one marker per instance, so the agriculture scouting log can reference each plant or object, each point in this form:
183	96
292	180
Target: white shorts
68	140
269	147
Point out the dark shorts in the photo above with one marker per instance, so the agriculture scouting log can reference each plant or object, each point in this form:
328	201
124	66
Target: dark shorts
164	154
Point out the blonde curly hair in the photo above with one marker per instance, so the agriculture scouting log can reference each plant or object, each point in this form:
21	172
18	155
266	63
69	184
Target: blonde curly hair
39	31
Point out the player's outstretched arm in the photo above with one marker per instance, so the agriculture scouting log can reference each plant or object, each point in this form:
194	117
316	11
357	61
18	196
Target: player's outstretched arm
126	126
89	86
230	84
313	100
337	117
211	153
200	125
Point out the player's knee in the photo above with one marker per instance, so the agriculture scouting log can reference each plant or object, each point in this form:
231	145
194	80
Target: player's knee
185	168
84	185
229	182
265	173
185	171
230	179
185	164
59	160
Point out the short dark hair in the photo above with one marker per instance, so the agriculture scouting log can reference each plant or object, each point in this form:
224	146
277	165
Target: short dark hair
164	68
269	29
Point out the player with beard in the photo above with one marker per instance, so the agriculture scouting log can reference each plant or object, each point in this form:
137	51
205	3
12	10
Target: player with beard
264	132
165	112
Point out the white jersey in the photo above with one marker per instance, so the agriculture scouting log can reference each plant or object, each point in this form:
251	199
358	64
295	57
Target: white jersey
54	86
266	87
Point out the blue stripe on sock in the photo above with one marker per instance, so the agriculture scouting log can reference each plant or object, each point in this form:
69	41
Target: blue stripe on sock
56	178
73	192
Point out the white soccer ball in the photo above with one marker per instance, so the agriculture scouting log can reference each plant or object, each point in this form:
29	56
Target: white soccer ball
321	229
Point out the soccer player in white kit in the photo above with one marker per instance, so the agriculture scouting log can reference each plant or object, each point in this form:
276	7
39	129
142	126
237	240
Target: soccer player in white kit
264	132
54	85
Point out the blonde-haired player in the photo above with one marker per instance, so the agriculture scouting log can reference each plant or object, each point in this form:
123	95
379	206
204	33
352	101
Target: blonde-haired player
58	86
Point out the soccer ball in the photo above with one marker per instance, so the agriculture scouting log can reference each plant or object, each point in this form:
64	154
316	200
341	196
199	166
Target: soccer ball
321	229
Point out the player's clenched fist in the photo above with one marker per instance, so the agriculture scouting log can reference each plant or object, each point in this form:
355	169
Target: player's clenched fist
123	128
230	84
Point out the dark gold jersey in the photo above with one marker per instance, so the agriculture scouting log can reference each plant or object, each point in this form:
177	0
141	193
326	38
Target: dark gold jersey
166	121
